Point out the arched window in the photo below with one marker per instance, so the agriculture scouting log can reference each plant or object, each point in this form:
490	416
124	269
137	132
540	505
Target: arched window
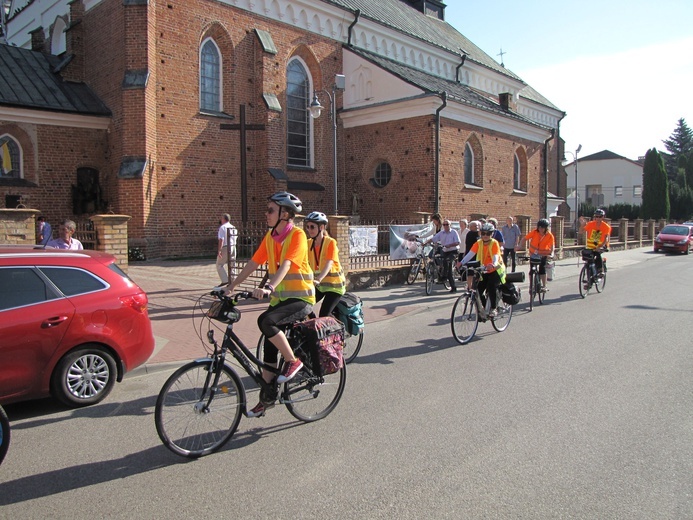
210	76
383	174
10	158
298	139
468	164
58	39
517	173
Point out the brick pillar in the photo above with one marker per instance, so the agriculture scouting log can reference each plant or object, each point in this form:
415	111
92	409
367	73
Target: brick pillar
524	222
18	226
623	232
557	225
38	40
112	237
639	230
338	229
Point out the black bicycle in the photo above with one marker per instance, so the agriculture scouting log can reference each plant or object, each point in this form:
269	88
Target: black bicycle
469	309
435	270
590	276
4	434
535	288
200	405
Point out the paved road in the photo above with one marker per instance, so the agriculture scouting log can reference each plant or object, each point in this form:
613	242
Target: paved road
581	409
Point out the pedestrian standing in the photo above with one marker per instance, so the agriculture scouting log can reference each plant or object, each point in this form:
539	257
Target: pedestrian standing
511	240
45	232
226	248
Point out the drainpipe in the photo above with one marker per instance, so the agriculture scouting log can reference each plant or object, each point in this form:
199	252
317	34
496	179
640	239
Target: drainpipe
436	183
545	211
357	14
559	158
457	70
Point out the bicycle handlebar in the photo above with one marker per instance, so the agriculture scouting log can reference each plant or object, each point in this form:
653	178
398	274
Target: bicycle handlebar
241	295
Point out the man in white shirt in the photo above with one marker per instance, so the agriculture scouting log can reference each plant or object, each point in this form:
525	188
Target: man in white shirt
65	240
449	241
226	248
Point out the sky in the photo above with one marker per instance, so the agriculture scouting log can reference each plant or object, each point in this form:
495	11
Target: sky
622	71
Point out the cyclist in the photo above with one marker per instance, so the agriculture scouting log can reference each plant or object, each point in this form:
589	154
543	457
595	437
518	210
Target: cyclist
488	254
437	221
542	243
292	295
598	235
323	256
449	241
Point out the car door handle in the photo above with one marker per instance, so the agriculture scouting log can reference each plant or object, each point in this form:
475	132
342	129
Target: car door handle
53	322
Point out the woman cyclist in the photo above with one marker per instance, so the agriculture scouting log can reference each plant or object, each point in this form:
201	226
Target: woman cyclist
285	250
542	243
488	253
323	256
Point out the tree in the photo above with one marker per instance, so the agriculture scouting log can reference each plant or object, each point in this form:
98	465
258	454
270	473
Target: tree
680	146
655	192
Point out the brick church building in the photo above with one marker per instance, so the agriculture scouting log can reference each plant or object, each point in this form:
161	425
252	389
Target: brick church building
174	112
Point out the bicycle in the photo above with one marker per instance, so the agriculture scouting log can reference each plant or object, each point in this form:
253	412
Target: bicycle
589	277
418	262
469	309
435	270
4	434
200	405
535	288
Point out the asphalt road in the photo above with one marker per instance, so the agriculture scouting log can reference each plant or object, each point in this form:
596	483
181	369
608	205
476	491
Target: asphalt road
580	409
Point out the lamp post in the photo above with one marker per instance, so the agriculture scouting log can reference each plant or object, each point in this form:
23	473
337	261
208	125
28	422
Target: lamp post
577	203
315	109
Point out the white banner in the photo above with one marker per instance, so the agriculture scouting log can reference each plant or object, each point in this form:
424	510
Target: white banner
363	240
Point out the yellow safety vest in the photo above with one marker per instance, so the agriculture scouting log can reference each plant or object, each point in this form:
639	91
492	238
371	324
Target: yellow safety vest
480	258
334	281
298	282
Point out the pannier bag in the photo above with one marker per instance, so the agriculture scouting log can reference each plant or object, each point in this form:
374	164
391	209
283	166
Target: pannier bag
324	340
350	312
510	294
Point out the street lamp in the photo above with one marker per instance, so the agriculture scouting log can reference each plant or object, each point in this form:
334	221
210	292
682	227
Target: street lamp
575	160
315	109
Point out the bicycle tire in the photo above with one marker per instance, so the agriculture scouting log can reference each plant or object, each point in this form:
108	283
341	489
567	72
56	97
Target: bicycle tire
531	290
505	314
184	422
584	283
414	270
540	294
4	434
464	319
311	398
431	270
352	346
600	282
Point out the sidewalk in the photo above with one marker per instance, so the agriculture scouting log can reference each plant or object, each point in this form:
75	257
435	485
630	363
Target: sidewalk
173	287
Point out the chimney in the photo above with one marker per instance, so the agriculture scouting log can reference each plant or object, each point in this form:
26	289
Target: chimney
38	40
434	8
505	99
74	36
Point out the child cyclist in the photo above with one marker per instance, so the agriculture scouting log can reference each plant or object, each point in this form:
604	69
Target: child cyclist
284	248
323	256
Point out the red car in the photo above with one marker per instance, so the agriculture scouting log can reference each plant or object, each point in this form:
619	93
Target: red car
674	238
71	324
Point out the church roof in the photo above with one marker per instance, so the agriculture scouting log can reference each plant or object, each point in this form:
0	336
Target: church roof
31	79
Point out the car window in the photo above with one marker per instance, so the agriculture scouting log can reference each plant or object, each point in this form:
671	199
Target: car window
675	230
21	286
73	281
113	267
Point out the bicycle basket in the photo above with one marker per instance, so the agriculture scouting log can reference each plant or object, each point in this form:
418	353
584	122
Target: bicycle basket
224	311
587	254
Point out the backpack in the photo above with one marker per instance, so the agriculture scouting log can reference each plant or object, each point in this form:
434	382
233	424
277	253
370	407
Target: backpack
349	310
510	294
324	342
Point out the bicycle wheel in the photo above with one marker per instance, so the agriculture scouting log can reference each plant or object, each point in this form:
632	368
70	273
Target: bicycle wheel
532	290
505	314
310	398
540	294
187	422
600	282
431	270
414	270
352	346
4	434
464	319
584	283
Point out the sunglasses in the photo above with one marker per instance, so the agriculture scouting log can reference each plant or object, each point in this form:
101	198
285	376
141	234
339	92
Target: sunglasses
446	225
269	211
311	226
486	233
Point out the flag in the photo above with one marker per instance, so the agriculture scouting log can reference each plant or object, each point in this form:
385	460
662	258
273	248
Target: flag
6	159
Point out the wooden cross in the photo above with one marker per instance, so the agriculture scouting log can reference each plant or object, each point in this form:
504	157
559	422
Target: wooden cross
243	126
501	53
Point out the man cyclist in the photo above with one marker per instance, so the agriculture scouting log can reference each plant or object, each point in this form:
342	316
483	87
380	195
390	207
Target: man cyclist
449	241
488	253
598	235
541	243
292	295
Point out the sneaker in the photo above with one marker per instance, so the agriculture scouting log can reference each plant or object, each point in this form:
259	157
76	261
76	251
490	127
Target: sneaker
453	290
493	313
291	368
543	289
260	409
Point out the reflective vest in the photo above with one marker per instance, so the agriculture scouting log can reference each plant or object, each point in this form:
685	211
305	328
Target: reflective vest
334	281
298	282
480	258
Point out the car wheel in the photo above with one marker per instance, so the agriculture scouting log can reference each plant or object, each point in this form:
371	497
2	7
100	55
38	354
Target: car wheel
84	376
